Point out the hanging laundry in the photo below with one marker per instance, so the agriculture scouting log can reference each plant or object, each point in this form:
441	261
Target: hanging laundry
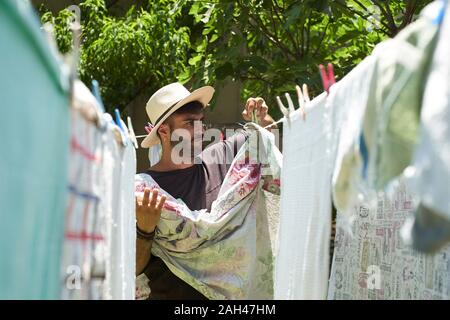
371	261
429	230
99	247
84	251
120	160
302	264
347	103
125	287
375	263
227	253
391	121
33	171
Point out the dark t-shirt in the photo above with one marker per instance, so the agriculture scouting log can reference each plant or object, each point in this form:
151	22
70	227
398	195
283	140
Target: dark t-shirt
198	186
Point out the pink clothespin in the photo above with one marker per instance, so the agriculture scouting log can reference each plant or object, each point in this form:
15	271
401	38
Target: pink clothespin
149	127
328	78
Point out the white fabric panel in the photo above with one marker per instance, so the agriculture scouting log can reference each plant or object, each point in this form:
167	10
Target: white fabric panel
347	103
302	262
124	283
119	169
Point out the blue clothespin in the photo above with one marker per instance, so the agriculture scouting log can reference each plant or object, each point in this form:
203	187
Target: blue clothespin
118	120
96	92
119	124
440	16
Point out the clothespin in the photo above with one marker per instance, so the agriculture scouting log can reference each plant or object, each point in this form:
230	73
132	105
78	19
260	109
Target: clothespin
118	119
303	99
96	92
290	103
131	132
285	111
328	78
119	124
149	127
254	117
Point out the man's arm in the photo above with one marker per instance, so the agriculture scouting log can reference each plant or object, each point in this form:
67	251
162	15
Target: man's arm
143	253
148	213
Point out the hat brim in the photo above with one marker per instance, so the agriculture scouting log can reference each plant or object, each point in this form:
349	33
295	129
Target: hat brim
203	95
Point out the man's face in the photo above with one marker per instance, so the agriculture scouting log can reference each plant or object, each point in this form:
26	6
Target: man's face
188	129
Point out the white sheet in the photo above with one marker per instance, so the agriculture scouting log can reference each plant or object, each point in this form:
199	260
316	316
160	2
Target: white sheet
302	262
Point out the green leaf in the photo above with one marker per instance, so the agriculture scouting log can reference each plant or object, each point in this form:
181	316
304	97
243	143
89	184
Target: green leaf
214	37
195	60
224	71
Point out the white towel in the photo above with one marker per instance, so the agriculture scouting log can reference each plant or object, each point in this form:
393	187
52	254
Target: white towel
302	262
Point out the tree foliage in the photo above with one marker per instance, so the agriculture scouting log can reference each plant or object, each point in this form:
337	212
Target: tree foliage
127	55
268	45
271	45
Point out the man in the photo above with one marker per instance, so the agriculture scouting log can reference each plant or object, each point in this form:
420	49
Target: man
194	177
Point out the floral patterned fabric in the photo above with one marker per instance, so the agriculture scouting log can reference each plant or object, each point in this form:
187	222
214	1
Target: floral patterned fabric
227	253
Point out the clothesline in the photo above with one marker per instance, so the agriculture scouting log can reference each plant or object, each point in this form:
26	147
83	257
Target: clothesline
266	127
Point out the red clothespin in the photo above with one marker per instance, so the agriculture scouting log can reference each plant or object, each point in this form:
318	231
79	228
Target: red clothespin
328	78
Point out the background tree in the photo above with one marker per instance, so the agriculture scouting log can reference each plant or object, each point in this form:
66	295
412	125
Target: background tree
268	45
128	54
272	44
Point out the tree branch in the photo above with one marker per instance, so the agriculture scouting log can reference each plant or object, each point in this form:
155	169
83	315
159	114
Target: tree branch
386	11
308	36
288	33
258	78
260	26
411	6
273	38
364	17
